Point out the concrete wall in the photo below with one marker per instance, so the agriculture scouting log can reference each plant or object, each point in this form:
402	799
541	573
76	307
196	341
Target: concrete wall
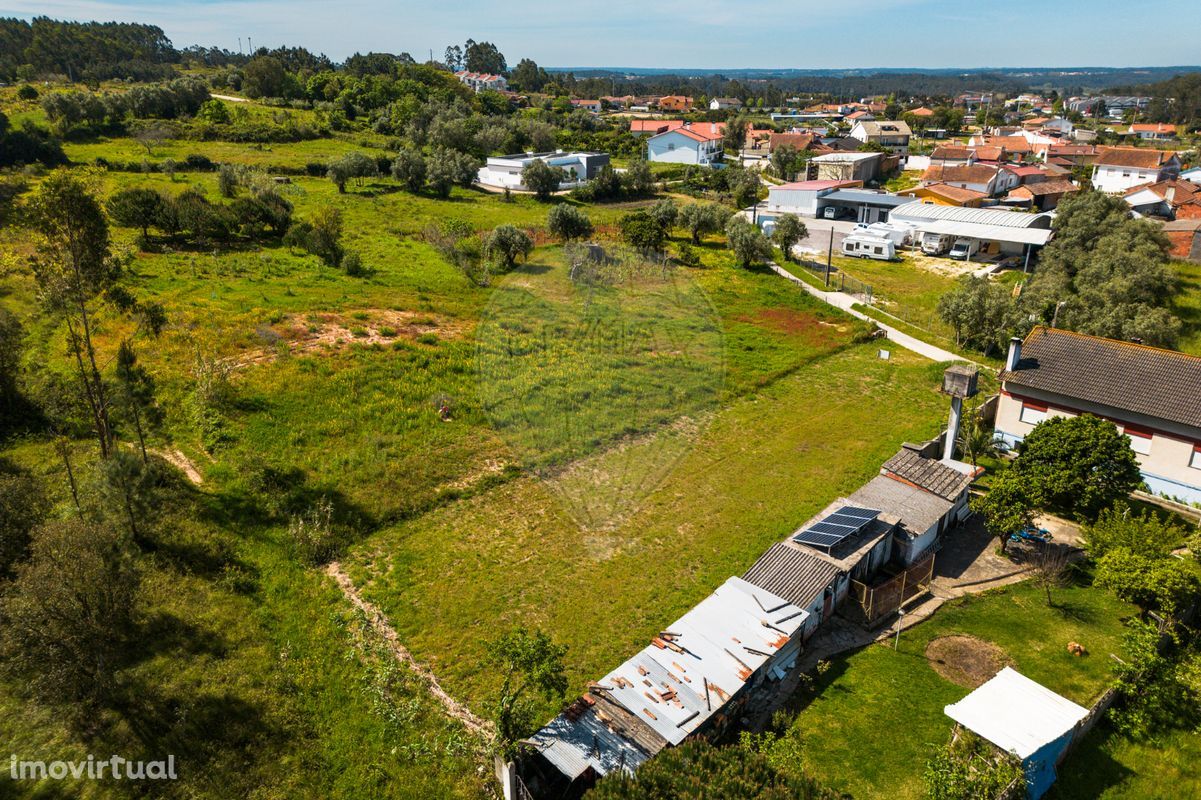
1165	468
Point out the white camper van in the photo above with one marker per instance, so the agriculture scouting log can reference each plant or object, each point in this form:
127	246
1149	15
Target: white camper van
963	249
897	234
860	245
935	244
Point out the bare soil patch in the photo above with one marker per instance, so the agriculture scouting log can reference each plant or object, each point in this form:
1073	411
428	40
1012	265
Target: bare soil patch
330	332
797	323
965	660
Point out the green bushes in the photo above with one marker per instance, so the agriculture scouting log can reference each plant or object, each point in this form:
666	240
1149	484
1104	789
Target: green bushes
190	214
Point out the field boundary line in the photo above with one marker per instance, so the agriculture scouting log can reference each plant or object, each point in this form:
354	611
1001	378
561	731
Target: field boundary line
380	624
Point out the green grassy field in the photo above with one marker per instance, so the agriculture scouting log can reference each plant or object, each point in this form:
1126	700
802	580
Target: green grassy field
878	713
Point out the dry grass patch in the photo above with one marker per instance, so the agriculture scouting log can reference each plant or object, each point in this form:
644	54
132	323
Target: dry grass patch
965	660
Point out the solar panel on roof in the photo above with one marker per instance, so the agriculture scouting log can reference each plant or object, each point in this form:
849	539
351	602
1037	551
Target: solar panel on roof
842	524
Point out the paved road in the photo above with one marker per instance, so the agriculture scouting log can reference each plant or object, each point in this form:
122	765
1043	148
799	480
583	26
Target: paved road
845	301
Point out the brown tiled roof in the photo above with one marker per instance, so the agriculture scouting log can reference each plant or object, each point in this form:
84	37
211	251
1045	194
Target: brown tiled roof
1137	157
928	473
976	173
1014	144
801	141
1152	381
952	193
989	152
950	151
1058	186
1183	191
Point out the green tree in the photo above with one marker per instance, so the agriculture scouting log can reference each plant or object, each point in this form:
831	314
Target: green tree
969	768
1079	464
351	166
23	507
325	235
568	223
227	180
446	168
1154	691
12	344
409	169
73	268
638	179
135	208
747	242
263	76
788	232
69	613
1154	583
697	770
528	661
542	179
976	439
1007	507
734	136
664	212
977	310
1145	533
508	243
703	218
787	162
640	230
135	388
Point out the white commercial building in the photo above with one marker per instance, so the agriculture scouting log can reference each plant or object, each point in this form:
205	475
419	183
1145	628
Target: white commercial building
504	172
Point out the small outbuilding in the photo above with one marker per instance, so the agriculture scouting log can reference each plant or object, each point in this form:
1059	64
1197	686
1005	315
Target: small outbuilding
1023	718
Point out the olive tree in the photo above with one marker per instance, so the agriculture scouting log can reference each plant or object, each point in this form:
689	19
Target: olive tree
747	242
788	231
508	243
568	223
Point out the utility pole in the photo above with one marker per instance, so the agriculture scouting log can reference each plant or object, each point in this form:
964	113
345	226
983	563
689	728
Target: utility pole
829	256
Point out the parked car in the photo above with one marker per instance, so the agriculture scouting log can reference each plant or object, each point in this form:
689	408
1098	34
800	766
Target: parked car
835	212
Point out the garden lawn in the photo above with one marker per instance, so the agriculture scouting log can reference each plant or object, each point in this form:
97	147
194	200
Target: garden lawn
1109	766
878	713
1188	306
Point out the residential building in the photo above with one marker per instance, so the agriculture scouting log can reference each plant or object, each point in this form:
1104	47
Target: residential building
675	102
949	155
504	172
1192	175
1067	153
921	112
945	195
1023	719
651	127
593	106
797	141
1185	236
862	167
1153	131
725	104
983	178
690	143
1170	199
1041	195
481	81
1119	169
1150	393
891	134
860	115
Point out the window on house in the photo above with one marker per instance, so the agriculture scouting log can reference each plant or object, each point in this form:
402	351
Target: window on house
1032	413
1125	174
1195	461
1140	441
671	146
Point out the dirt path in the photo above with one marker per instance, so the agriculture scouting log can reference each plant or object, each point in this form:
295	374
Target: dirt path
381	626
177	459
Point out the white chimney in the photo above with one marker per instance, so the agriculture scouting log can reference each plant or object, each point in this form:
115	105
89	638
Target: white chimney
1015	354
1170	195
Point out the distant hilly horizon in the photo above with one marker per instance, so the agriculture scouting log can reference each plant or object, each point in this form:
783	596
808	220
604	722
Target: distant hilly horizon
859	71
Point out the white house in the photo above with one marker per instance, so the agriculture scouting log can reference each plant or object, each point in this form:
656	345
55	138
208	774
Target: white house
691	143
1192	175
504	172
1148	392
593	106
1119	169
984	178
890	134
1153	131
480	81
724	104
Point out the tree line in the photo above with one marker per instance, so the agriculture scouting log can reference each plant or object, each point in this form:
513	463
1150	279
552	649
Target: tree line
84	51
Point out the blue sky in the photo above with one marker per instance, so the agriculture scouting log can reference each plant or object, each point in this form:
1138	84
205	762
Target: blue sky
689	33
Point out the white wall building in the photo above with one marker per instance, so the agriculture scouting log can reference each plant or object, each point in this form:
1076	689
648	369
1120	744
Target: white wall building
692	143
480	81
504	172
1119	169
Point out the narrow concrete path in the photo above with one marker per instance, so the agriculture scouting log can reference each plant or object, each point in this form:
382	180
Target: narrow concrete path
379	623
845	301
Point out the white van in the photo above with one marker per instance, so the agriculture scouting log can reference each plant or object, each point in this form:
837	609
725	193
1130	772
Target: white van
897	234
935	244
859	245
964	249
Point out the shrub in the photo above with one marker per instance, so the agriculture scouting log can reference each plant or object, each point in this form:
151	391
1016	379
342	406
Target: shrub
568	222
747	242
640	230
314	540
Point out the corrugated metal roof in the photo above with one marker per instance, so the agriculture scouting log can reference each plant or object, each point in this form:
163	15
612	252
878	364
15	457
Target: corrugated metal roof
992	217
1016	714
928	473
792	572
718	645
574	745
971	230
864	196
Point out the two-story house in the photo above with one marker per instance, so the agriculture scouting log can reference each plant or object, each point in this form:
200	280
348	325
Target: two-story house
1150	393
691	143
479	81
1119	169
890	134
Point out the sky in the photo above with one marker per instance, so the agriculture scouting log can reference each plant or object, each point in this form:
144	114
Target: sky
698	34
